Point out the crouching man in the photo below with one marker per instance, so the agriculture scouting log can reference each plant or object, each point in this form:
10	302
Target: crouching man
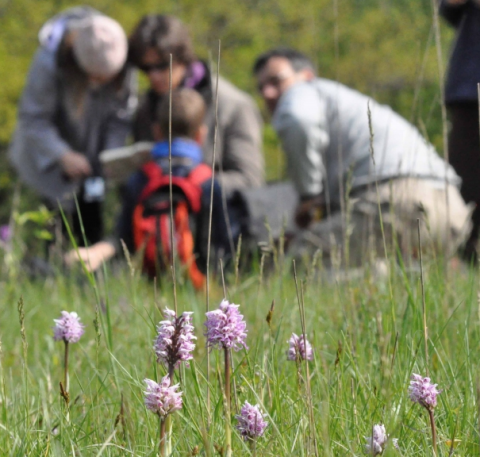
353	160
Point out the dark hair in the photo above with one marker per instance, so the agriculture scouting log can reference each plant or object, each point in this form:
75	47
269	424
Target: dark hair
166	34
188	113
66	58
297	60
75	74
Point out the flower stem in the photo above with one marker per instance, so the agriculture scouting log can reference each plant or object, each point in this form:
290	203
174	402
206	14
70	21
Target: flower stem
228	431
434	432
171	371
163	441
168	434
299	374
65	366
64	385
253	447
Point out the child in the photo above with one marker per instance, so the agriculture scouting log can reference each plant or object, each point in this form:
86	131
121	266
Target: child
188	133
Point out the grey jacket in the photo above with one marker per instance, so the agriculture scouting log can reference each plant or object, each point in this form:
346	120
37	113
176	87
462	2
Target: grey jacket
238	153
59	112
324	129
239	162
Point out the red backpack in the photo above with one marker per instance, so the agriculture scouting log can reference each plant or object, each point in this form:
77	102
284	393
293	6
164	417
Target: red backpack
151	219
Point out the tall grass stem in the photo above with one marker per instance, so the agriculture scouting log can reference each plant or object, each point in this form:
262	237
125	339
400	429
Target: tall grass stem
170	186
209	242
424	305
228	419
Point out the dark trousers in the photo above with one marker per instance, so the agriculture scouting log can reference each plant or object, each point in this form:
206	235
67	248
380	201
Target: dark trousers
464	155
89	216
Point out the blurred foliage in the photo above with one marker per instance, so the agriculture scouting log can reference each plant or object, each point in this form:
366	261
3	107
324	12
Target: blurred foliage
382	47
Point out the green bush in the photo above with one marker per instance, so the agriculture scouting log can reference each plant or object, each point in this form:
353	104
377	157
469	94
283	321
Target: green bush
382	47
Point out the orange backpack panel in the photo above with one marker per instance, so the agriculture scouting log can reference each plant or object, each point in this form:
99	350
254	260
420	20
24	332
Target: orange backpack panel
151	219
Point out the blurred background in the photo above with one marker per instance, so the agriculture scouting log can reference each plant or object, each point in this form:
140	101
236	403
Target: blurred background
385	48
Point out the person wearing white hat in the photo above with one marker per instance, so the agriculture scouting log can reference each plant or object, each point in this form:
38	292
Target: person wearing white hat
79	99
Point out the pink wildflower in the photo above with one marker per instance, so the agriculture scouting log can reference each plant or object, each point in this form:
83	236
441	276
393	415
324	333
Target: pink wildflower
162	399
377	442
226	327
423	392
174	342
68	328
297	348
251	423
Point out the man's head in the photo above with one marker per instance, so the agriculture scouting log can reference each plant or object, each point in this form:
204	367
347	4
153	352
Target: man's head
150	45
279	69
188	116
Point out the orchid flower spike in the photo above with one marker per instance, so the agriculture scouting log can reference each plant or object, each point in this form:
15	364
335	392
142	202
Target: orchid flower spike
68	328
251	423
175	339
377	442
299	348
226	327
162	399
423	392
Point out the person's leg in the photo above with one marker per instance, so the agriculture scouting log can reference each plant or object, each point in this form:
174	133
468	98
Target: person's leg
219	232
464	155
91	219
361	242
444	222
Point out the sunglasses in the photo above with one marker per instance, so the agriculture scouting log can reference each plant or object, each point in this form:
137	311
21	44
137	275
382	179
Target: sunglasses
274	80
147	68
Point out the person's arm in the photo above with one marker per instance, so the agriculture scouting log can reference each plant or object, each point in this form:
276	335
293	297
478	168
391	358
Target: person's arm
242	157
36	119
93	256
119	125
453	10
301	123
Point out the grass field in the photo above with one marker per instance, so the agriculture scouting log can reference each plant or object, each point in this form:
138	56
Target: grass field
367	334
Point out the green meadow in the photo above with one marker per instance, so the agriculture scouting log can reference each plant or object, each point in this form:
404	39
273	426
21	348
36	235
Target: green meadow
367	332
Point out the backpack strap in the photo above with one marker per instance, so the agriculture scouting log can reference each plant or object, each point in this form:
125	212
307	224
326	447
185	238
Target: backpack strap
185	246
200	174
155	178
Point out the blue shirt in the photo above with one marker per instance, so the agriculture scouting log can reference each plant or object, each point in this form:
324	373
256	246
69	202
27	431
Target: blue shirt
181	148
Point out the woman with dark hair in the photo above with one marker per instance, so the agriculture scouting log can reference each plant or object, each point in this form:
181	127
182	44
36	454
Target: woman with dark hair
239	159
78	100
